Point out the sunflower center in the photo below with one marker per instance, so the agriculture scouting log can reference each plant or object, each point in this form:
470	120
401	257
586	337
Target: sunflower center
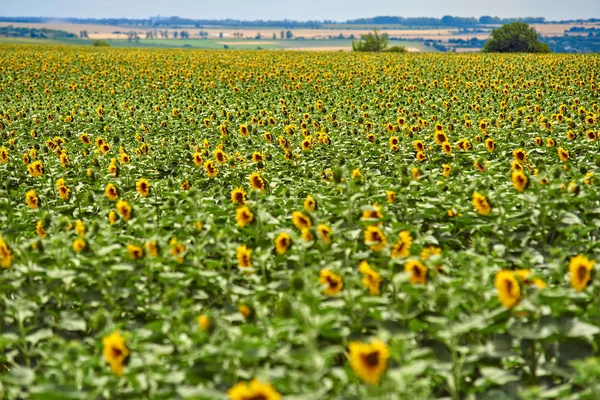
116	352
372	359
581	273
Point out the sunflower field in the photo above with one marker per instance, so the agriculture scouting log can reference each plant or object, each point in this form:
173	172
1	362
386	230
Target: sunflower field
255	225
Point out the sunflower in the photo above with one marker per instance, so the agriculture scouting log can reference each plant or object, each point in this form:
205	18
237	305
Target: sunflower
580	270
519	180
115	352
79	245
417	272
243	216
112	217
430	251
79	228
393	141
331	281
63	191
490	145
255	390
301	221
481	204
258	157
35	169
244	256
244	310
563	154
152	247
446	170
325	233
143	187
220	156
204	322
85	138
238	196
391	196
357	176
244	130
440	137
369	360
310	205
402	247
4	155
419	146
185	185
32	200
6	256
135	252
40	230
210	168
371	279
520	156
124	209
447	148
257	182
509	291
373	213
375	238
197	158
550	142
282	243
307	235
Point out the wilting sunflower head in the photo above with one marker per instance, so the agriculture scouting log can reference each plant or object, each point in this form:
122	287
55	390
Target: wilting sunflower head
580	271
369	360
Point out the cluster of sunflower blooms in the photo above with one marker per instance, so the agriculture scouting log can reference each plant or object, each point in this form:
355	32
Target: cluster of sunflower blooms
510	284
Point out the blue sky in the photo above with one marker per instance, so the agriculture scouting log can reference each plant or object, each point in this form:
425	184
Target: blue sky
302	9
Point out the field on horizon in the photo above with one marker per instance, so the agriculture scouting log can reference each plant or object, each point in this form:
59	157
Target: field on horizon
179	224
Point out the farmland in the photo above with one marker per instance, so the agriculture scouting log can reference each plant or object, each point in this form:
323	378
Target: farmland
302	225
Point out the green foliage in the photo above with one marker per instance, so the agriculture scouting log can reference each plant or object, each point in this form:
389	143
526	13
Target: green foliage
395	49
345	140
371	42
100	43
516	37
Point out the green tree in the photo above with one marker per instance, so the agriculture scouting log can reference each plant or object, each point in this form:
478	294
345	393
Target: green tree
374	42
371	41
516	37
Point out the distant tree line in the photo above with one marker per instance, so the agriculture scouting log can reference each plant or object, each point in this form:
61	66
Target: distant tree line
178	22
42	33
